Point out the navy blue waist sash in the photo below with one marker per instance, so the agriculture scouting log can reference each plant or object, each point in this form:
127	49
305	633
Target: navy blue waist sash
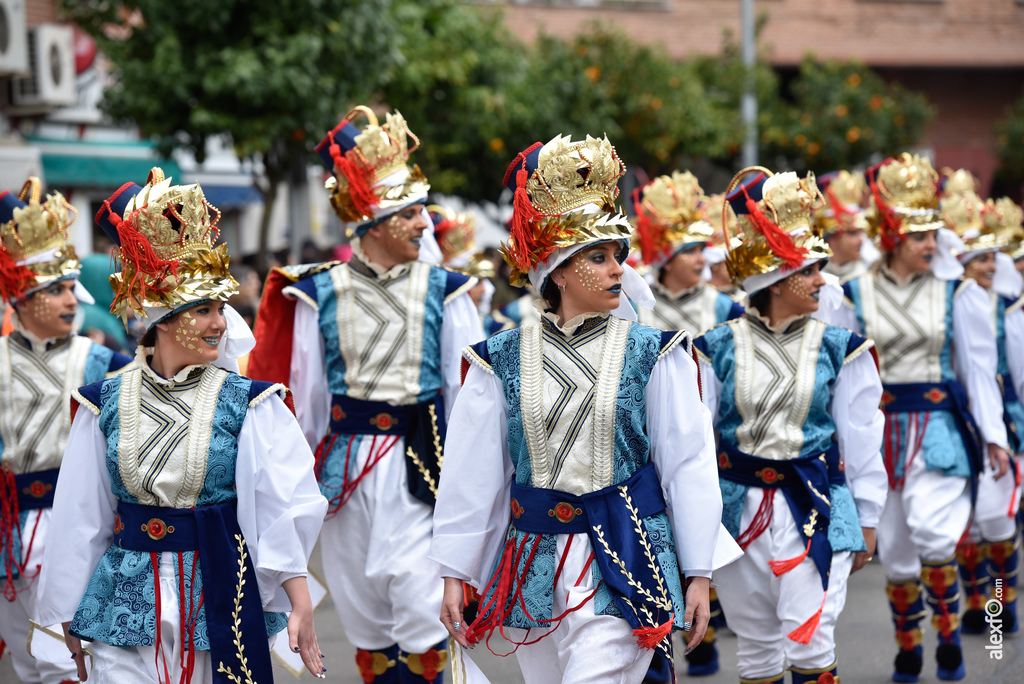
422	425
914	397
35	490
612	517
805	482
225	563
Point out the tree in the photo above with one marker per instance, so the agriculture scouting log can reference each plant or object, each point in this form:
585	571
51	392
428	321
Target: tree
271	74
1010	136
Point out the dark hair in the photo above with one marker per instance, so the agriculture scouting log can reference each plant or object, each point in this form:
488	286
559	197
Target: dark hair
149	339
552	295
761	300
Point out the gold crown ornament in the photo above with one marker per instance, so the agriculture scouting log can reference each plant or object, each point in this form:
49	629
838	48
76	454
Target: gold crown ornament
165	237
1005	218
844	194
669	217
372	178
965	215
479	265
455	232
33	240
903	199
564	195
957	182
774	213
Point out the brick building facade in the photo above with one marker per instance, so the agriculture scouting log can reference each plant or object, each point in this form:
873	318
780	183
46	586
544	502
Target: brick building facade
966	55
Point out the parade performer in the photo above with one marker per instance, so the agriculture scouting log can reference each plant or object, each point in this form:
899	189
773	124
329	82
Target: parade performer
371	350
578	488
842	222
992	548
672	234
796	403
41	362
715	211
937	358
182	482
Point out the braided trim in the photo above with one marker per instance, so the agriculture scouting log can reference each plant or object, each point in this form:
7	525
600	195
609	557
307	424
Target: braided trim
680	336
7	415
465	287
531	403
82	401
200	432
277	388
472	357
415	313
129	405
867	345
605	402
345	296
299	294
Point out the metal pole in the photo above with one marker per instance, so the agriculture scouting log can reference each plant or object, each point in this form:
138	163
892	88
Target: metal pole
748	105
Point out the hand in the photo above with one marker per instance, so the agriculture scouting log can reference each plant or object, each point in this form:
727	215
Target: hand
698	610
451	610
862	558
301	634
998	459
75	646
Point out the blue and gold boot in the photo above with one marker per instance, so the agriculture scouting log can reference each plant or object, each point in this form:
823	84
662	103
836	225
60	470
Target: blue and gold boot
378	667
824	675
940	582
717	620
974	577
416	668
702	661
1004	563
906	602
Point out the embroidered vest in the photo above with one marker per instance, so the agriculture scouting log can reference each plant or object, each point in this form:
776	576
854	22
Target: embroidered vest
172	446
577	422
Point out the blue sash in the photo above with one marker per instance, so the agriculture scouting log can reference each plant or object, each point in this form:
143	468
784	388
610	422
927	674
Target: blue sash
213	531
607	518
805	482
35	490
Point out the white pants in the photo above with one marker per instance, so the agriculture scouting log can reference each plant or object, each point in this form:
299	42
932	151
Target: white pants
584	648
995	514
762	608
923	521
15	616
375	563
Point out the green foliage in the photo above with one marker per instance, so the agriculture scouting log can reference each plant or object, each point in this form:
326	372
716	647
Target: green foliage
841	114
1010	137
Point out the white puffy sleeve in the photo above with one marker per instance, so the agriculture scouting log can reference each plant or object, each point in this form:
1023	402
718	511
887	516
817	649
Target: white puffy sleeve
683	452
844	316
308	372
975	356
84	509
472	511
1014	329
860	425
460	328
280	508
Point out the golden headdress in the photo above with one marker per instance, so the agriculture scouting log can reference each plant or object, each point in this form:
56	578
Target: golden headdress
775	215
903	199
372	178
1005	218
564	196
842	211
669	217
34	233
454	231
165	237
957	182
965	215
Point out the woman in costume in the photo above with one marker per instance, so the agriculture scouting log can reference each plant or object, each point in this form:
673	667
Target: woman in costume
933	334
575	496
41	362
372	351
186	507
991	548
673	234
796	405
842	222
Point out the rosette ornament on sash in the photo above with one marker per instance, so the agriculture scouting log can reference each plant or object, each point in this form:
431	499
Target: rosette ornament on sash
165	238
564	196
779	237
842	211
33	242
669	218
372	179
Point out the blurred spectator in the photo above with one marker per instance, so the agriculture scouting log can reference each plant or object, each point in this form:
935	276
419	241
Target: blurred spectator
96	270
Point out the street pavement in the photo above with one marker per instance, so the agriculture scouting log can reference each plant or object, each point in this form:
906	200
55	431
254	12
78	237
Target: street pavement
864	634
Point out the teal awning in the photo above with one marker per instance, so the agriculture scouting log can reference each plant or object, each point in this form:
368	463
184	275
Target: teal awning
64	170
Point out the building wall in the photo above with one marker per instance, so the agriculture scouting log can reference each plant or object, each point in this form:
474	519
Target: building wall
40	12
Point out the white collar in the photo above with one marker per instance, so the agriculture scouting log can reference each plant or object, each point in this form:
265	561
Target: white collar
142	356
570	326
37	343
382	273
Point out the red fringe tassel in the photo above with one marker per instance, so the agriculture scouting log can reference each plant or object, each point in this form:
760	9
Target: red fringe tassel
803	633
761	520
363	198
14	279
780	242
650	637
781	567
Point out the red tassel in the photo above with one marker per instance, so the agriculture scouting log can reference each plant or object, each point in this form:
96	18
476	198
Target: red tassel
761	520
783	566
650	637
14	279
890	225
803	633
779	241
524	216
363	197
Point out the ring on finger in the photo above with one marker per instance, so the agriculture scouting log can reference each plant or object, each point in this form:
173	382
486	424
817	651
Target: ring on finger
457	625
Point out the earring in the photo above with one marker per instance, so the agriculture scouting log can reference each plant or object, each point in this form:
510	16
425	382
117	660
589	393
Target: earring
777	292
562	287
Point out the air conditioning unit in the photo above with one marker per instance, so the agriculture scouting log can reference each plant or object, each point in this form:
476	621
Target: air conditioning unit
13	38
51	57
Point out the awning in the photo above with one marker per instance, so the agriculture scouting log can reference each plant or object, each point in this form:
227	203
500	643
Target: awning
100	171
231	196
